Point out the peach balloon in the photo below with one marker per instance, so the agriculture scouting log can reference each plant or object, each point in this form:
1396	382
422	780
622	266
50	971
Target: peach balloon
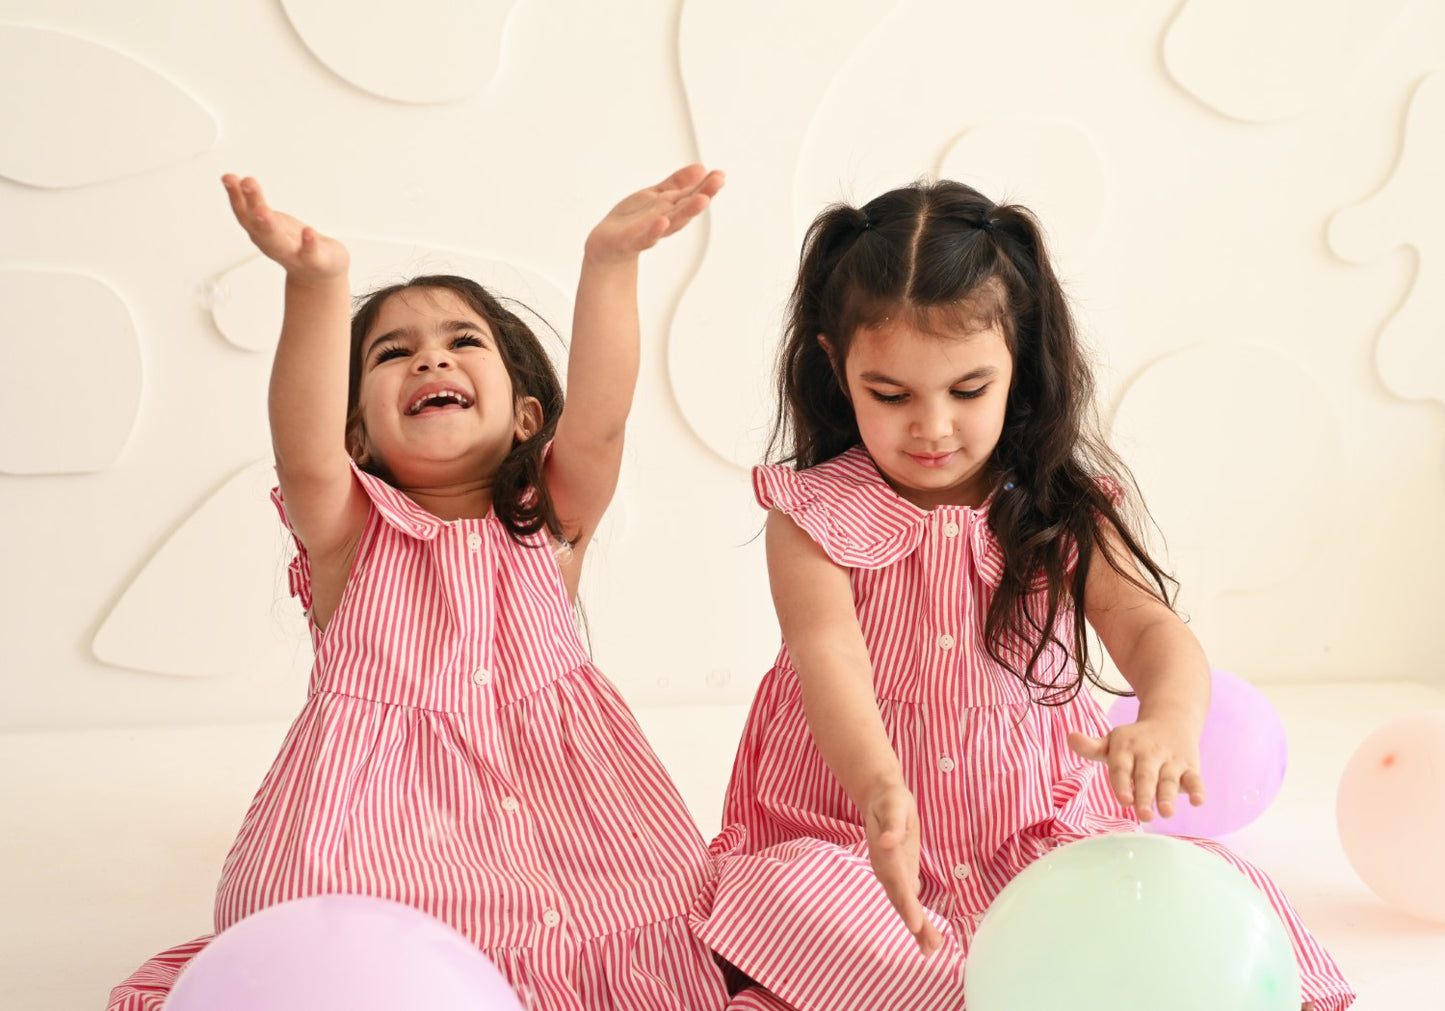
1391	813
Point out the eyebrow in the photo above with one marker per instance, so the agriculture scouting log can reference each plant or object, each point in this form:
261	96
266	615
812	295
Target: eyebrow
983	372
449	326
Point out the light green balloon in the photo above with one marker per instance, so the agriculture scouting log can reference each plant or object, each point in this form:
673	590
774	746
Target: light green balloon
1131	922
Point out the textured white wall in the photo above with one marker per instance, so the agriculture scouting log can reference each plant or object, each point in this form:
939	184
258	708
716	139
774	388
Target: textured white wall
1244	196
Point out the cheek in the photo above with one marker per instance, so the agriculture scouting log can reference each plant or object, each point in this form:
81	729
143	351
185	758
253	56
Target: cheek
986	426
876	426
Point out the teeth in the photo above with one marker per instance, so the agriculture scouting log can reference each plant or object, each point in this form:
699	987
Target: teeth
445	396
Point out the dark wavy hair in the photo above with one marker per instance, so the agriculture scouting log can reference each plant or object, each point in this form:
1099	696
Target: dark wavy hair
519	494
945	256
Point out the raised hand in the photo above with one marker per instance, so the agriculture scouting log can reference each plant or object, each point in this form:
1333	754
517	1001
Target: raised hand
893	839
305	253
640	220
1149	762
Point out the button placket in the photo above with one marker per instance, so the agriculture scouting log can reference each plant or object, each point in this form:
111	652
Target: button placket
473	555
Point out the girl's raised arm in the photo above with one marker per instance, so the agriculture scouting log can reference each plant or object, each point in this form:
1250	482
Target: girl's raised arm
309	375
602	365
814	601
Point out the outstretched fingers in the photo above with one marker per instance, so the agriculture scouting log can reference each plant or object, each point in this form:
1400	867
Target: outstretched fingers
1168	792
640	220
899	877
684	178
1120	762
1146	780
1192	783
893	851
248	203
688	203
306	254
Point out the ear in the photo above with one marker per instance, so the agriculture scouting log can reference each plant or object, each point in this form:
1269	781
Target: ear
358	446
838	376
528	418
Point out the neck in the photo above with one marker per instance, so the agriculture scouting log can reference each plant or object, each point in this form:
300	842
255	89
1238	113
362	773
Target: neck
454	500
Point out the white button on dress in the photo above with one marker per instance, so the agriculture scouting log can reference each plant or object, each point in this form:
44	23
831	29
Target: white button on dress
510	804
945	641
482	676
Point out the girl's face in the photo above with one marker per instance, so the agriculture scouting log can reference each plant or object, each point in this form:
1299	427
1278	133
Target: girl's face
930	407
436	399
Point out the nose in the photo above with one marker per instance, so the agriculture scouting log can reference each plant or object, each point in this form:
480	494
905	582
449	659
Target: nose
431	359
932	422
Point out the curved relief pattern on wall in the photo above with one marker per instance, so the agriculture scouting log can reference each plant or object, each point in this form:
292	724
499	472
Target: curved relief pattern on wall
424	51
724	334
243	623
1237	451
246	302
76	112
1409	209
71	385
1054	169
1264	62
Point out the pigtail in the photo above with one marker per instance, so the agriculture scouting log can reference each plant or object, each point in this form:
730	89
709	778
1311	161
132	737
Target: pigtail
814	419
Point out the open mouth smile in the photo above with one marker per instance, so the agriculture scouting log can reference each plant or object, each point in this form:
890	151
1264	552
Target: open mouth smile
438	399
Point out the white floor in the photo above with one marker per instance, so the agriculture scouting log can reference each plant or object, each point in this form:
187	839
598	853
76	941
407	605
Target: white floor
110	842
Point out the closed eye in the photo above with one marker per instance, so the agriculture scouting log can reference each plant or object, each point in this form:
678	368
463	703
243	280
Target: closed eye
389	351
970	394
888	398
468	340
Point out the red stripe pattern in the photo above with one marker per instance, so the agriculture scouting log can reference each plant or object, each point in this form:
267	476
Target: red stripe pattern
794	903
459	752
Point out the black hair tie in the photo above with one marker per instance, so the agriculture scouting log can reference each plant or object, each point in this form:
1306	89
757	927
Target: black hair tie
986	226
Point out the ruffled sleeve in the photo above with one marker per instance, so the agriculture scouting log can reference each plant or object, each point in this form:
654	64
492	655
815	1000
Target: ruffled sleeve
298	572
844	505
387	503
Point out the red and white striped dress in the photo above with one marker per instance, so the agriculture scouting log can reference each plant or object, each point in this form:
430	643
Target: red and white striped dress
793	903
459	752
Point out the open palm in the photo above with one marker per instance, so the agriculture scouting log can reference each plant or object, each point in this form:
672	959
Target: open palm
305	253
651	214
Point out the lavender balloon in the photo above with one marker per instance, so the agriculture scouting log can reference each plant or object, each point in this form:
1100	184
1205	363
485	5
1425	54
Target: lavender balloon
340	953
1242	756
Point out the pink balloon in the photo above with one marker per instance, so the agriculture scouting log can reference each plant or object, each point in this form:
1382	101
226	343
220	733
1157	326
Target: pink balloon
1390	817
1242	755
341	953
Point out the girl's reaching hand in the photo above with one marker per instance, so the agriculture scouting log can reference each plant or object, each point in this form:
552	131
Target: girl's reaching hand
892	821
640	220
1149	762
306	254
